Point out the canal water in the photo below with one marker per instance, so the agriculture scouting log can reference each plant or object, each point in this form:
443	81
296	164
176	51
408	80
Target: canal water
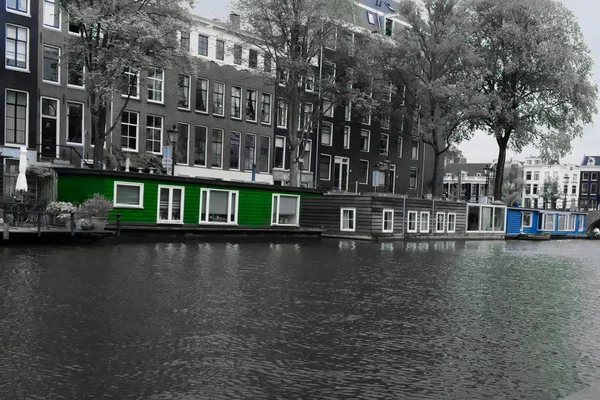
322	319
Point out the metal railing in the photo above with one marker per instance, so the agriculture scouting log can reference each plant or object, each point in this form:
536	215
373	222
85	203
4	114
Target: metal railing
67	153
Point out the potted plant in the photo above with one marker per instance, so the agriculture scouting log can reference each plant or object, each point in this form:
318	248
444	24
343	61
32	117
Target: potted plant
60	211
97	208
86	224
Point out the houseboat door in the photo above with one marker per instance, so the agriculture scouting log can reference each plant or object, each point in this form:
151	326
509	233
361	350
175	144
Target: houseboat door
340	173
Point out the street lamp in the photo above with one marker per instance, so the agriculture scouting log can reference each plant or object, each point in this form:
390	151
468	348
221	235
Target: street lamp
489	174
173	134
565	190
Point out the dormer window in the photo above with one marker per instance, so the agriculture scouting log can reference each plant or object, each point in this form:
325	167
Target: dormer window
371	18
591	161
478	174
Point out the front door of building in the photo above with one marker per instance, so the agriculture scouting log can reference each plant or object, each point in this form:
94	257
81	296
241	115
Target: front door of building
340	173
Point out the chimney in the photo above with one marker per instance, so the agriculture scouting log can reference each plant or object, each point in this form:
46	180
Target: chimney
235	21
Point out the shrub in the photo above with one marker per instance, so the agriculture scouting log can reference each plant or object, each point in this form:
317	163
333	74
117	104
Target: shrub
96	206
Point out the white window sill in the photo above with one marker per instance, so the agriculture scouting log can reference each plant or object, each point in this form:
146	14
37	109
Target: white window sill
170	222
70	86
51	82
124	96
18	69
162	103
129	207
218	223
53	28
347	230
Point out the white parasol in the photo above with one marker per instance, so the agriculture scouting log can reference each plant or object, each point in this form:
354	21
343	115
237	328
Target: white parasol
21	185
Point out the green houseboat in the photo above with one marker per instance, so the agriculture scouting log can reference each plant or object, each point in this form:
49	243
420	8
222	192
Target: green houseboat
159	202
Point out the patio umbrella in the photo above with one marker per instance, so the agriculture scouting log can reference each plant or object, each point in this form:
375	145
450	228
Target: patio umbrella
21	185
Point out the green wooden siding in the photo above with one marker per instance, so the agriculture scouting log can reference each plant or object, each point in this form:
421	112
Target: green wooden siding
254	204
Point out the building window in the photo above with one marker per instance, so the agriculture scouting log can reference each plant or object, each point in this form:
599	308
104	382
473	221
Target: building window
128	195
183	92
202	95
220	54
348	219
236	102
326	136
16	117
154	128
306	159
218	206
586	176
183	144
49	125
203	45
328	109
451	228
131	79
413	178
528	176
265	113
51	13
388	221
218	98
252	58
365	140
75	72
414	149
399	145
384	144
234	150
534	188
237	54
593	188
285	210
249	151
19	6
265	152
155	85
200	145
51	64
310	82
267	63
346	137
526	220
371	18
385	122
584	188
75	123
279	161
129	131
170	204
251	105
363	172
324	167
305	122
217	148
282	76
574	189
17	47
536	176
412	222
282	110
424	225
348	111
594	176
440	222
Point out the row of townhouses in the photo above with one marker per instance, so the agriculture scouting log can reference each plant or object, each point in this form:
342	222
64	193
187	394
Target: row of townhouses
232	126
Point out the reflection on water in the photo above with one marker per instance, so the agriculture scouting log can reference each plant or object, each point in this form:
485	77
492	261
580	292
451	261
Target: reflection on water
313	319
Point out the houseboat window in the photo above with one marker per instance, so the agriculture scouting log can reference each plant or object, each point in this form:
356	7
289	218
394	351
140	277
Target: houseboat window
170	204
581	223
440	221
412	221
526	220
128	195
388	221
348	219
285	210
499	214
218	206
451	223
546	222
473	218
424	227
487	214
562	222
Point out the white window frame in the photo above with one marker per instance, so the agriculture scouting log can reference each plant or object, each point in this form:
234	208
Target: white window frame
19	12
353	219
371	18
56	7
307	148
412	218
383	220
205	146
162	85
412	147
330	134
139	206
256	110
399	146
205	207
189	93
206	105
162	128
368	140
58	69
451	216
328	109
424	217
241	92
523	219
27	50
387	144
56	118
211	148
223	97
245	137
137	132
282	101
544	216
328	170
367	174
347	135
129	72
82	124
284	151
9	144
278	197
581	223
262	98
437	222
171	188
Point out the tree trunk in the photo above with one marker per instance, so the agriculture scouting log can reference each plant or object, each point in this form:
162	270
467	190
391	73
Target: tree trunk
436	173
98	132
294	109
499	180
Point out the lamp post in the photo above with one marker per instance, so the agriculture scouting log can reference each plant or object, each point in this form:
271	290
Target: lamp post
565	190
489	174
173	134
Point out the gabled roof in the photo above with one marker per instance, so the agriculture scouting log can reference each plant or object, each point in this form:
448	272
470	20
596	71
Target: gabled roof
472	169
595	160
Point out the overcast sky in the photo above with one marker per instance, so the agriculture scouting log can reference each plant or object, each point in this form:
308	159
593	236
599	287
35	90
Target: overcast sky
482	148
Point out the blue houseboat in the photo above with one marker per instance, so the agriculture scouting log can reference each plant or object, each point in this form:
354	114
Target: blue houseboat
527	223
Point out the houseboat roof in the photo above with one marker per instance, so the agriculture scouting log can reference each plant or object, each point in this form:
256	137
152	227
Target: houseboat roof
471	169
547	211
